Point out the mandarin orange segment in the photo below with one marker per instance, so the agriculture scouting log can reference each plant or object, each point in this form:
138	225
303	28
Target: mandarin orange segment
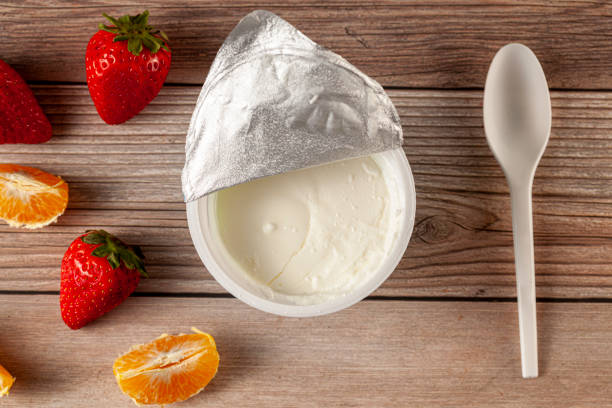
30	197
6	381
169	369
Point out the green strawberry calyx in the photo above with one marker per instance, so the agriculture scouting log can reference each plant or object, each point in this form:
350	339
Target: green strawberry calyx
136	31
115	251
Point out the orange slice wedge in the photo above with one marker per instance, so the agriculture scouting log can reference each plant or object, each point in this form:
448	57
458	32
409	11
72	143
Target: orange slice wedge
168	369
30	197
6	381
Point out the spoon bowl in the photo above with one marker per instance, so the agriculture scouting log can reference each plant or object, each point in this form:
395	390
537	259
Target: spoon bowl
517	121
517	110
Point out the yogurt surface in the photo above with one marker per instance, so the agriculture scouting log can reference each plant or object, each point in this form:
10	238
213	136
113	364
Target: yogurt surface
308	235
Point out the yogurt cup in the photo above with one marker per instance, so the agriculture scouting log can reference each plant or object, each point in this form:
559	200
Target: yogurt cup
204	233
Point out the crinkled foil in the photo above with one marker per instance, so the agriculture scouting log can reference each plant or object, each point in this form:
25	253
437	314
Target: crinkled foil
275	101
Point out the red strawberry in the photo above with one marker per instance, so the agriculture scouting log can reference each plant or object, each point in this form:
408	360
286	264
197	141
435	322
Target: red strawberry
126	66
21	118
98	273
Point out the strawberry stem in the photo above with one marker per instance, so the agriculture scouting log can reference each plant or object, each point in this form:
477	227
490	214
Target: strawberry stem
136	31
115	251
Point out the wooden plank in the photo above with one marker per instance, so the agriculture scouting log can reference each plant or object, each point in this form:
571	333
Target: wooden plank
433	44
377	353
126	179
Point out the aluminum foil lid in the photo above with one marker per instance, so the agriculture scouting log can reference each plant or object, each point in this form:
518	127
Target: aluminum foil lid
275	101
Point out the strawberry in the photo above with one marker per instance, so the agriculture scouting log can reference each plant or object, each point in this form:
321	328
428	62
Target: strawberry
21	118
126	65
98	273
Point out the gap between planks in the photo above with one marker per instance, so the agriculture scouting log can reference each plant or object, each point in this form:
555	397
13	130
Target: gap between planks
376	298
41	83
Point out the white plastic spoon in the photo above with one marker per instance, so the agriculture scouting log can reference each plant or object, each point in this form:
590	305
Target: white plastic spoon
517	117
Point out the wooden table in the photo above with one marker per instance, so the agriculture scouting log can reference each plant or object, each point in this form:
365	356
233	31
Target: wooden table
442	331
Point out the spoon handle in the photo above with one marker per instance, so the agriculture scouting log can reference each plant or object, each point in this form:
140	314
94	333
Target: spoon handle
522	227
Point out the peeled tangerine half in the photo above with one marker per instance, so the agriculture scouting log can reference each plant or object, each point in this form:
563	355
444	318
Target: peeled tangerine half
30	197
169	369
6	381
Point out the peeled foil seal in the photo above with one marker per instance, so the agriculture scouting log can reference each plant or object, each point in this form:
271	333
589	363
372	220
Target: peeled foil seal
275	101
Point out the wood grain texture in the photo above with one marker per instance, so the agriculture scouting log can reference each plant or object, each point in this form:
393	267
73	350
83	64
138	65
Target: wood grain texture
421	354
126	179
433	44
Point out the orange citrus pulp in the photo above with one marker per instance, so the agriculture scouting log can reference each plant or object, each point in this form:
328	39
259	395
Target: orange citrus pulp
30	197
168	369
6	381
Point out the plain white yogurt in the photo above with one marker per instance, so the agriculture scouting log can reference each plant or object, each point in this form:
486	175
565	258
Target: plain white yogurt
309	235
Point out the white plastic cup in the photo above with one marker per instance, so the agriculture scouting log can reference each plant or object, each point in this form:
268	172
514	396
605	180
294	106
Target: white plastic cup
401	188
